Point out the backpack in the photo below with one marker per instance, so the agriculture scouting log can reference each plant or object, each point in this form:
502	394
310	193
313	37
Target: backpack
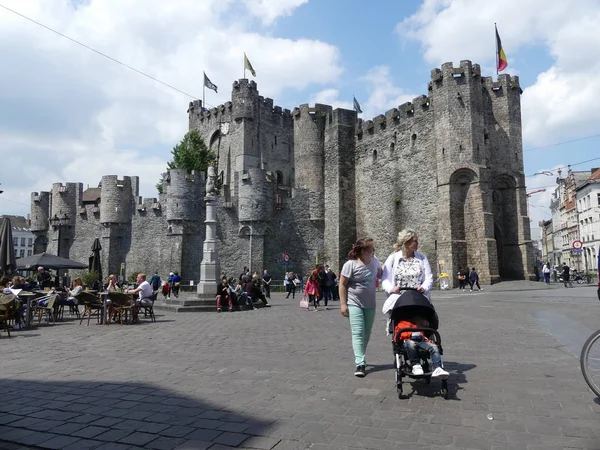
322	276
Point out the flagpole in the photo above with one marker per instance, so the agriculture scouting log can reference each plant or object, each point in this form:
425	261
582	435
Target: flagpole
203	91
496	40
244	64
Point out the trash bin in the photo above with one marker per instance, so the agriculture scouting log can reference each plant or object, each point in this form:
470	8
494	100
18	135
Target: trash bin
444	281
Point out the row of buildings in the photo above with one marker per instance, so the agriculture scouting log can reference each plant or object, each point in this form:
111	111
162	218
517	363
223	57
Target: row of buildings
22	236
572	236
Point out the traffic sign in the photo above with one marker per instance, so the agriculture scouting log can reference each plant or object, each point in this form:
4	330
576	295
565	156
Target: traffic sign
577	244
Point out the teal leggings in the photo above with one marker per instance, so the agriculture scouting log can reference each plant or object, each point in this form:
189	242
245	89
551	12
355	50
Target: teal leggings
361	324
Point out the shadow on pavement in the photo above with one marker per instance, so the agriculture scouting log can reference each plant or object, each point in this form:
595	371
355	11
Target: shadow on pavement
91	414
455	380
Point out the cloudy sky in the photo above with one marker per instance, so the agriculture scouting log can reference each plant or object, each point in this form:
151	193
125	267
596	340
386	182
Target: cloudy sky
68	114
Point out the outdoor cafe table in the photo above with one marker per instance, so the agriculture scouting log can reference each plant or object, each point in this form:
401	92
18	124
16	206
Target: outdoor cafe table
27	297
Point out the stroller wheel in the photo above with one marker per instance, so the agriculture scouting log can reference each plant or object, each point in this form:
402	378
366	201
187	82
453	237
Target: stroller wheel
399	391
445	389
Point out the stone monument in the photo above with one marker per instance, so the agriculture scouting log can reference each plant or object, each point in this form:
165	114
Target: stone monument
209	267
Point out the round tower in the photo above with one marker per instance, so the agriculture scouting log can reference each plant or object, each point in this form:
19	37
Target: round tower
117	202
64	199
256	196
185	193
40	211
309	154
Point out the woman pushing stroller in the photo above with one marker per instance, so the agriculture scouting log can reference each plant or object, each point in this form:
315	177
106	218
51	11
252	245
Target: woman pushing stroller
407	279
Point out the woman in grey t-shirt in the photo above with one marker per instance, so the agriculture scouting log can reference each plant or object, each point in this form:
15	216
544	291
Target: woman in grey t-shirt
357	297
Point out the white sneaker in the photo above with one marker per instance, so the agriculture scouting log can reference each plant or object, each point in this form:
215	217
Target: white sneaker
417	369
481	289
440	373
16	326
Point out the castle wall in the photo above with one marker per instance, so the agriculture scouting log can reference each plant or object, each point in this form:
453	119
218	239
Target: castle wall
396	186
339	183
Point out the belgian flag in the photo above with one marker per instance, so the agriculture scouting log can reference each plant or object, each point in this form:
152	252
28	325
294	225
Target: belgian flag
501	61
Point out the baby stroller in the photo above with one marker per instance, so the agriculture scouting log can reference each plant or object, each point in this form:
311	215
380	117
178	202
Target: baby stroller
412	303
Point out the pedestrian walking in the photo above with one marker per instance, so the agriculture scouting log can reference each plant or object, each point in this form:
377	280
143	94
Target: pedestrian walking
462	275
474	280
546	272
357	297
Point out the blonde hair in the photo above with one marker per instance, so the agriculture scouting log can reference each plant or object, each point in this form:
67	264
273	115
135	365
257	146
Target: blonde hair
78	281
403	237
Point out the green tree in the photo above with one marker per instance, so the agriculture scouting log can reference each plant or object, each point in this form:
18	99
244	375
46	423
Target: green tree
190	154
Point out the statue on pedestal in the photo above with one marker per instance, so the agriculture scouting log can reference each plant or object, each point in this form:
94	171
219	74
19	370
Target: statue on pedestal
211	182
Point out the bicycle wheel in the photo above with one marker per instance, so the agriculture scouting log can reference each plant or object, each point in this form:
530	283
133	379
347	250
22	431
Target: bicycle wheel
590	362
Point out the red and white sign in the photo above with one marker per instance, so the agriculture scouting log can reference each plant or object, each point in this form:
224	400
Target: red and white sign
577	245
286	257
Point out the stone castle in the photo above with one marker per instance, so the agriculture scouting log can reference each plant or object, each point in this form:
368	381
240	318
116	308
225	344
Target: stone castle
308	182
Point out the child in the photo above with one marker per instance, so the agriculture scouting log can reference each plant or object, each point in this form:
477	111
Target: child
414	342
312	290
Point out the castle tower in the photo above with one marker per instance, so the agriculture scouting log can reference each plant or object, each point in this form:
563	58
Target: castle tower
245	113
309	155
119	197
507	194
40	216
65	199
339	185
465	231
185	216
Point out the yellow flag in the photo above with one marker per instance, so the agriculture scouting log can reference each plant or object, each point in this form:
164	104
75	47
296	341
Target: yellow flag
248	66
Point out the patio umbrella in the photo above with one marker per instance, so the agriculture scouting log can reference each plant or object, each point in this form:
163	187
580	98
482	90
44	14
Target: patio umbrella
48	261
95	264
7	250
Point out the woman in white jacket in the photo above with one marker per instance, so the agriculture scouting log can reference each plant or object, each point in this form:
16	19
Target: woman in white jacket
405	267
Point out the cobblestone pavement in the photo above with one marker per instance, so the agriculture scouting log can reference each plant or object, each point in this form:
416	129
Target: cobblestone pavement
282	378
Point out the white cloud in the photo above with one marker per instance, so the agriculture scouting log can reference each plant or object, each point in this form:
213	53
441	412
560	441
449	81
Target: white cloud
269	10
562	101
69	114
383	94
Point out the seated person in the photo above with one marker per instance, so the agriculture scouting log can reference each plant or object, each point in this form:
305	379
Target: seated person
6	298
254	291
223	294
416	341
71	300
239	290
112	285
5	285
145	293
44	279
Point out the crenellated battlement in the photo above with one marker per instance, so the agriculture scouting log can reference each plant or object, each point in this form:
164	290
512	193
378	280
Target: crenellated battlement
465	72
419	107
305	110
505	82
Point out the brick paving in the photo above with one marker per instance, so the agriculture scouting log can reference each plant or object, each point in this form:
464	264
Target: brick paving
281	378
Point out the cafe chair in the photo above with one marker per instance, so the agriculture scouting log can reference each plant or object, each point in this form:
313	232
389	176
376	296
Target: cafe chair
119	307
92	306
44	306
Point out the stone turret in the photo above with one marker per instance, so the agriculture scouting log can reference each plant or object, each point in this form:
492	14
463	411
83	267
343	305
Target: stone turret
256	196
40	211
185	191
309	154
118	199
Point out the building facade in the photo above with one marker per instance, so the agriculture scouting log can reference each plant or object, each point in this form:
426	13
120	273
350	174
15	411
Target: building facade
588	208
307	182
